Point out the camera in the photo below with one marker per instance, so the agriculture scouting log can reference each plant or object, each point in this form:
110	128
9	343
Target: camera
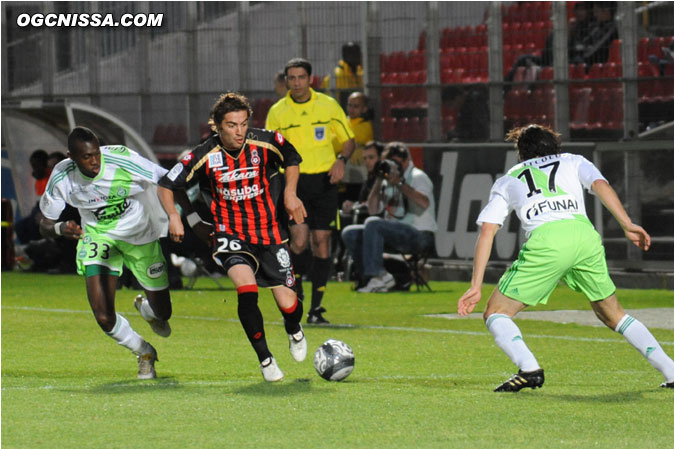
386	166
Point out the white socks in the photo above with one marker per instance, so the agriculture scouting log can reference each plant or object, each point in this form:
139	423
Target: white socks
126	336
146	310
508	337
639	337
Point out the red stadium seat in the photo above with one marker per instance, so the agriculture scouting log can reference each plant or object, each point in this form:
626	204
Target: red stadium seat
388	126
159	136
615	52
580	103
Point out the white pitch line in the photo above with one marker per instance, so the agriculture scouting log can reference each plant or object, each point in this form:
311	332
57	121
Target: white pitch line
350	326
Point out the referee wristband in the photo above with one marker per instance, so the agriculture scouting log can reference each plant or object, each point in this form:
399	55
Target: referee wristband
57	228
193	219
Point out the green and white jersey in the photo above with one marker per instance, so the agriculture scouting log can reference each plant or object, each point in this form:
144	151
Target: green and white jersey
542	190
121	202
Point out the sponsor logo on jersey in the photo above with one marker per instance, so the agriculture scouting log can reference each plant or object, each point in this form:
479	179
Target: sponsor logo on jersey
187	158
284	258
110	212
215	160
319	133
239	194
255	158
279	138
565	204
245	173
175	171
155	270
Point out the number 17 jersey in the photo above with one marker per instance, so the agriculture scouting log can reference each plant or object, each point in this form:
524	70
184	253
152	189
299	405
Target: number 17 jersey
542	190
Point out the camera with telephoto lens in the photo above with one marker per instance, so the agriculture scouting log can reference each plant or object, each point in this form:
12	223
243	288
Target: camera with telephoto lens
387	166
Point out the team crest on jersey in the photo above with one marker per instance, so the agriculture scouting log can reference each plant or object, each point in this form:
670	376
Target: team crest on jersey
319	133
215	160
255	158
279	138
284	258
222	228
187	158
121	192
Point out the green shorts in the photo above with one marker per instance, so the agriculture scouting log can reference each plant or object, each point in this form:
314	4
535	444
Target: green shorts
569	250
145	261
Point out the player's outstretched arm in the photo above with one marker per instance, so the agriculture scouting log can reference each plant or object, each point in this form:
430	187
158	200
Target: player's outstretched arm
471	297
53	229
634	233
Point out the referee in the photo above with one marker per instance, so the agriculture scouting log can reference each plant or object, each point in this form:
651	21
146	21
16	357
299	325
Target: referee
309	120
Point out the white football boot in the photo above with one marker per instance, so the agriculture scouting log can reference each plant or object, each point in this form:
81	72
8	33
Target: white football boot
160	327
146	363
270	370
297	344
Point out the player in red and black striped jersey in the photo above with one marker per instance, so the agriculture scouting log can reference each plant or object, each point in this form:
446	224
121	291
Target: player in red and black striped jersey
238	171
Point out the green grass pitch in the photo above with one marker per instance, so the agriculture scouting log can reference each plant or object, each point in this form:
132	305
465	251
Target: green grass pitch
419	382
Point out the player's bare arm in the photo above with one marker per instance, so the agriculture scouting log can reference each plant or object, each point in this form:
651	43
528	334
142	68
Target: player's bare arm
337	171
53	229
294	206
166	198
472	296
634	233
374	197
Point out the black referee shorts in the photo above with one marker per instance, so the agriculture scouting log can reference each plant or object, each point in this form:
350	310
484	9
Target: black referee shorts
320	198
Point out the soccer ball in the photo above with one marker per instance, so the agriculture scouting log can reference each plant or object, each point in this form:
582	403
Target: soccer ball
334	360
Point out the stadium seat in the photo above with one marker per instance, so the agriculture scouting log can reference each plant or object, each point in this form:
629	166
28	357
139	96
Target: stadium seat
546	73
643	50
388	126
615	52
580	101
614	118
159	136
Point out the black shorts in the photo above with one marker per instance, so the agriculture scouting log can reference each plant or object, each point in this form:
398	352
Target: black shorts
271	264
320	198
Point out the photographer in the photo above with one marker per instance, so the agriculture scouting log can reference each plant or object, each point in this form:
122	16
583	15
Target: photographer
405	194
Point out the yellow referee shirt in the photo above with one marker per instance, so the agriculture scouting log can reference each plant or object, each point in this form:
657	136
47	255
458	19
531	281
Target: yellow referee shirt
310	127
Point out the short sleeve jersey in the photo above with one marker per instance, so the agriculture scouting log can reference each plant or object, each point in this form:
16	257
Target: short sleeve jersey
120	202
242	188
542	190
398	207
310	126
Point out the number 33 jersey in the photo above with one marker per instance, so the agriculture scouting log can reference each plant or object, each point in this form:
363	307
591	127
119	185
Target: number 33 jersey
542	190
120	202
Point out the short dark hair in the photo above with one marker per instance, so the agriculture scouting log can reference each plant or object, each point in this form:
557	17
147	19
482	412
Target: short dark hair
39	156
396	149
298	62
280	76
80	134
533	141
378	146
226	103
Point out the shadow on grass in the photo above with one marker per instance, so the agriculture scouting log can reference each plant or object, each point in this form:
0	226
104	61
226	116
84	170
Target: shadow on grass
280	389
132	386
616	397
